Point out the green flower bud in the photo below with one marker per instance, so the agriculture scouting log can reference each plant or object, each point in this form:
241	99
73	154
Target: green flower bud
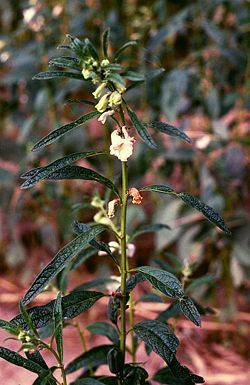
115	99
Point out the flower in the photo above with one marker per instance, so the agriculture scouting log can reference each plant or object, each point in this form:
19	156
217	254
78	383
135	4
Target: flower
86	73
99	91
103	117
103	103
115	99
134	193
121	147
111	207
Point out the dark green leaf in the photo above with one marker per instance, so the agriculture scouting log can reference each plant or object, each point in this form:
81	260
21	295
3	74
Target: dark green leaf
87	381
172	311
9	327
168	129
116	79
148	229
123	47
105	42
91	49
66	62
105	329
134	375
113	67
134	76
57	74
159	337
162	280
183	373
58	325
62	258
140	128
150	297
78	47
207	211
43	172
59	132
17	359
154	73
73	304
197	282
45	378
27	318
77	172
165	376
92	358
164	189
38	358
188	308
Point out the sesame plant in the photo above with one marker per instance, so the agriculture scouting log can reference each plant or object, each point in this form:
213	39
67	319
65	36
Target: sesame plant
40	328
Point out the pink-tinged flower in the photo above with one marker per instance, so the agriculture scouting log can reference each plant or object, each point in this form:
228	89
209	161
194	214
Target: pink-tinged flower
103	117
136	197
121	144
111	207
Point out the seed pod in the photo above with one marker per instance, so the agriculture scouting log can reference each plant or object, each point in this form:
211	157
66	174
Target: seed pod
115	360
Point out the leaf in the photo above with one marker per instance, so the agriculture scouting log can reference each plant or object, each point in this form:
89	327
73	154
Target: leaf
27	319
189	310
77	46
172	311
159	337
134	76
66	62
9	327
116	79
148	229
45	378
168	129
154	73
130	43
17	359
73	304
105	329
164	189
105	43
86	101
134	375
206	279
62	258
92	358
140	128
38	358
91	49
183	373
57	74
59	132
165	376
162	280
58	325
87	381
77	172
207	211
150	297
43	172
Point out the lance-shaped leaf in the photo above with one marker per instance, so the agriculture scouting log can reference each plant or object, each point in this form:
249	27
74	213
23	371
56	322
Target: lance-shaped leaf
164	189
183	373
116	79
134	375
130	43
45	378
62	258
91	49
58	325
66	62
25	315
57	74
170	130
162	280
165	376
105	329
140	128
43	172
38	358
77	172
73	304
159	337
59	132
10	328
148	229
134	76
206	210
189	310
154	73
92	358
105	42
77	46
17	359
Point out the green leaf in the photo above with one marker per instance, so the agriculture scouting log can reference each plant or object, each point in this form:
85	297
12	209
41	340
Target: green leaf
168	129
78	47
134	76
130	43
154	73
66	62
73	304
150	297
17	359
9	327
92	358
148	229
27	318
58	325
44	378
91	49
140	128
113	67
183	373
172	311
164	189
86	101
105	42
159	337
189	310
57	74
38	358
116	79
43	172
134	375
197	282
59	132
207	211
105	329
87	381
162	280
62	258
77	172
165	376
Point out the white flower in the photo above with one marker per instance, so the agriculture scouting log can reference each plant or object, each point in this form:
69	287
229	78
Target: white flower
86	73
104	116
121	147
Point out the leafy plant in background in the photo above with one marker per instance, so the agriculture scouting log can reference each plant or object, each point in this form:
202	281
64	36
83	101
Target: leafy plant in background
33	326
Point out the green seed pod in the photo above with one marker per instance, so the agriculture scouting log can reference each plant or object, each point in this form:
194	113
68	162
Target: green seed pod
115	360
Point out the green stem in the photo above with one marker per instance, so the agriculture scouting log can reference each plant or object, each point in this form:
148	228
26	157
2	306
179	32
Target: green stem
123	259
60	363
131	325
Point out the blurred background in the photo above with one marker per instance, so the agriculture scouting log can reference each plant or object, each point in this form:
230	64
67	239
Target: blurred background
203	45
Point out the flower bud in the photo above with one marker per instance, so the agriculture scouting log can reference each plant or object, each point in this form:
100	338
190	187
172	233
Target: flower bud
86	73
103	103
99	91
115	99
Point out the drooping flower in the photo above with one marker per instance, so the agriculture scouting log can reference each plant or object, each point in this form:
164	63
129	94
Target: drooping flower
121	144
135	194
99	91
103	103
105	115
115	99
111	207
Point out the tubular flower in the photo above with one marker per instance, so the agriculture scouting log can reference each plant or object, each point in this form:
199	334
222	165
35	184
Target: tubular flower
111	207
136	197
99	91
103	103
121	146
115	99
86	73
104	116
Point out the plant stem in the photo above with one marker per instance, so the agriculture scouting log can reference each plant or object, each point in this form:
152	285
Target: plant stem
60	363
123	259
131	325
